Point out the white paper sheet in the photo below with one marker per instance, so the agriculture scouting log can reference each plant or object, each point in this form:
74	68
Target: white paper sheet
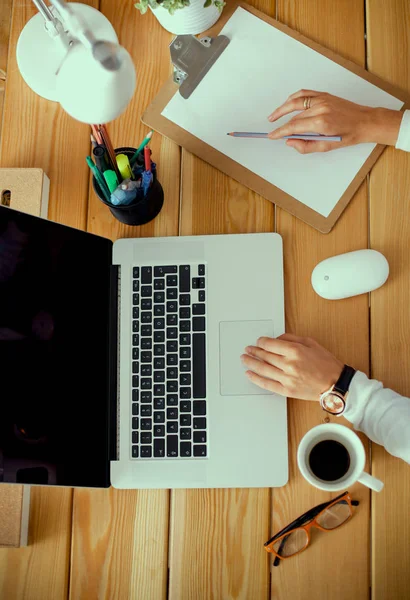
258	70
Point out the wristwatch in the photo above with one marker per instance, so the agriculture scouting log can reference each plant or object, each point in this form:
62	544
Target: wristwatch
333	400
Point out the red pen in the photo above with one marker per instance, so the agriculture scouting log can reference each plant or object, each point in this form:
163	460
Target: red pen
147	158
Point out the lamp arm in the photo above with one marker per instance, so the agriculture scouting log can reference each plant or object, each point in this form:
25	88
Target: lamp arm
75	23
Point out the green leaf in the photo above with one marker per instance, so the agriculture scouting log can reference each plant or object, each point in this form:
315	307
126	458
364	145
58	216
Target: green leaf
207	3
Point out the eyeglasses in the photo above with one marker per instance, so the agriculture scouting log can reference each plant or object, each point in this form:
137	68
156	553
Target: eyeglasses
295	538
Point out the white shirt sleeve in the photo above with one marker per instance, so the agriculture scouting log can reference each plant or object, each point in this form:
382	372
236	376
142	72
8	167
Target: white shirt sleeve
383	415
403	141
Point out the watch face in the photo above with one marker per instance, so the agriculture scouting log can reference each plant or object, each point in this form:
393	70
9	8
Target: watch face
334	404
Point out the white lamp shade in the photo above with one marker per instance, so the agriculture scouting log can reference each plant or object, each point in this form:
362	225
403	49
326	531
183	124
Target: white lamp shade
91	93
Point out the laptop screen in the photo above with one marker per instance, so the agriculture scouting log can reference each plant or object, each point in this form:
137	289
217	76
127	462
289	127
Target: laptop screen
54	361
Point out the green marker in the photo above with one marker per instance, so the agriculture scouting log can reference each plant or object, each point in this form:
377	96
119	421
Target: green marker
141	147
111	179
100	179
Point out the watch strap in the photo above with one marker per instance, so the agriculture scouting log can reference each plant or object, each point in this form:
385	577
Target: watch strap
342	384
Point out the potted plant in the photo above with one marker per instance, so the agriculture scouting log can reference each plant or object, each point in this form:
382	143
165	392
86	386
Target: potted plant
184	16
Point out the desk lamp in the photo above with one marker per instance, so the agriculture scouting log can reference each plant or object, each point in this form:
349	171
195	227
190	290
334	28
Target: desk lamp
70	53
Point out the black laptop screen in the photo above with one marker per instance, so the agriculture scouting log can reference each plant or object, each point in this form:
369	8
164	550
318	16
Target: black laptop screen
54	323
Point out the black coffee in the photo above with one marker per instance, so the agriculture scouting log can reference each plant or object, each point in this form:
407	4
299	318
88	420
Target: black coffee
329	460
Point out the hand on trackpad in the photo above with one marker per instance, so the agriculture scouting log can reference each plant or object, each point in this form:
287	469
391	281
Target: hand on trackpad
234	336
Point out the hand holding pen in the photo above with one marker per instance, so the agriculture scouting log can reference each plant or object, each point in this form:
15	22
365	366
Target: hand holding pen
329	115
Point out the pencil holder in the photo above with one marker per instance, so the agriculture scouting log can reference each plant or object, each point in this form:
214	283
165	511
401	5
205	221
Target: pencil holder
140	211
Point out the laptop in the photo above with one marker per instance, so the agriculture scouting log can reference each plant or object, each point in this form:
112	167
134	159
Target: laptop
120	363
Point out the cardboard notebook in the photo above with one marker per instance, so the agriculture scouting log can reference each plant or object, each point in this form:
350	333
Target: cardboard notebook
261	65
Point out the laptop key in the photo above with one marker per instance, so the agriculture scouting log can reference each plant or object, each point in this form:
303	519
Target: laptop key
146	317
201	295
146	424
159	284
146	290
172	427
159	376
146	344
200	407
135	312
185	339
198	309
146	437
135	285
200	437
159	363
159	336
185	379
135	452
159	310
199	450
136	272
185	433
159	297
159	349
184	299
185	312
172	306
160	271
159	417
172	333
185	406
135	366
172	359
159	431
146	330
172	346
135	423
146	304
185	326
159	403
159	390
146	410
184	278
135	326
159	323
172	413
146	357
185	420
185	365
172	446
146	274
172	293
146	370
135	299
172	386
172	280
172	320
185	352
146	383
172	373
201	269
146	452
198	324
135	353
135	395
146	396
199	423
159	448
135	381
135	409
185	393
135	339
172	400
198	367
135	437
185	449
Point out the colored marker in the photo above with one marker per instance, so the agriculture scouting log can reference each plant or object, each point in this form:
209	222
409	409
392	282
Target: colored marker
100	179
141	147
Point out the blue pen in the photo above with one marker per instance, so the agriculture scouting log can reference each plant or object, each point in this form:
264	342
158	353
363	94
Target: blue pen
298	136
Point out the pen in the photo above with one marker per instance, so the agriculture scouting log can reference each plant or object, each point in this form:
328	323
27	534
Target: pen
298	136
110	150
100	179
147	159
124	166
111	179
141	147
100	158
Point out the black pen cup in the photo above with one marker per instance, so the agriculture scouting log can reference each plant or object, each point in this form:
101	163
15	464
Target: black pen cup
142	210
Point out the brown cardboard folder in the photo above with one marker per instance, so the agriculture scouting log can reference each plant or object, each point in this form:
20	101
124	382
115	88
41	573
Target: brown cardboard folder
153	118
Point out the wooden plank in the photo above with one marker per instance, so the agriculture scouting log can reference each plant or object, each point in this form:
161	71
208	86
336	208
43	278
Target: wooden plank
388	57
120	538
5	20
340	326
217	535
38	133
40	571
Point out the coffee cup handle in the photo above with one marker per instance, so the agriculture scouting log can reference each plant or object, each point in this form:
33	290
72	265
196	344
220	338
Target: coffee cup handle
371	482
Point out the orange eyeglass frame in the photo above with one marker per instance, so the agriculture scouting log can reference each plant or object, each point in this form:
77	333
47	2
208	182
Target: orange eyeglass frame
301	523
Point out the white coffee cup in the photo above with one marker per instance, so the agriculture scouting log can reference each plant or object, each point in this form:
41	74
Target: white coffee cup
353	445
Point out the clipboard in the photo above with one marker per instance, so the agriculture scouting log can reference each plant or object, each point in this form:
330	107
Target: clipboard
153	118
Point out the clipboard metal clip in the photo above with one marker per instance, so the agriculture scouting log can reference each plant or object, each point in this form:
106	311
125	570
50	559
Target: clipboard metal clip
193	58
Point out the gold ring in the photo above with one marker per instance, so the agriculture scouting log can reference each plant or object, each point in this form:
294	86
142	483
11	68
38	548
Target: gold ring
306	102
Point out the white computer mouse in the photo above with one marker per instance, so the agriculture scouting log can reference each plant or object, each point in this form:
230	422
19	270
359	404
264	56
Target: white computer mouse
350	274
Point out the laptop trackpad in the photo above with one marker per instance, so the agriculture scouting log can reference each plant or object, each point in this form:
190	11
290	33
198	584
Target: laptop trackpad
234	336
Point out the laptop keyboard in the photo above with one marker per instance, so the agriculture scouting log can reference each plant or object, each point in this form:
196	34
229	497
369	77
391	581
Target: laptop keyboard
169	412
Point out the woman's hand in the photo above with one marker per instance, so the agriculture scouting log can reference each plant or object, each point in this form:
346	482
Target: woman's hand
330	115
293	366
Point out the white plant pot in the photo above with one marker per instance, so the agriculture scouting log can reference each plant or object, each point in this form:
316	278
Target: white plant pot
192	19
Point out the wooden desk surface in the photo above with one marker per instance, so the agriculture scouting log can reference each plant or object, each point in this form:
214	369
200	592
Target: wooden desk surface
208	544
